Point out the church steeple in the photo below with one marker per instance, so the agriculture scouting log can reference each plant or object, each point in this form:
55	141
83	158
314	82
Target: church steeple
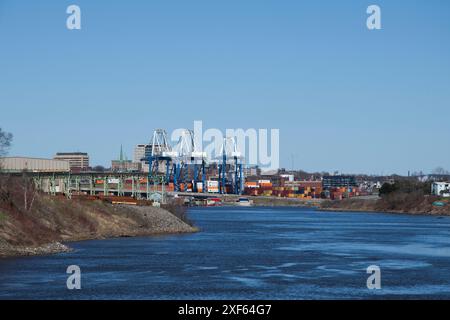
121	157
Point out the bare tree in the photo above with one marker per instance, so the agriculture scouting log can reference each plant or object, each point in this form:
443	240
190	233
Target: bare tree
440	171
29	192
99	169
5	142
27	184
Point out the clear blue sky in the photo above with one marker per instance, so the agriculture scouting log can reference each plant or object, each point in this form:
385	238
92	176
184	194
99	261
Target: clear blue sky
344	98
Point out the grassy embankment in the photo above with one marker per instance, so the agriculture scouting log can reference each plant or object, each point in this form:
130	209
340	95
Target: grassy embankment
34	223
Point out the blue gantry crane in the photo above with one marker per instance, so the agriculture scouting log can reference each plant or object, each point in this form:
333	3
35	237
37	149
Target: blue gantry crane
190	162
161	153
185	162
230	167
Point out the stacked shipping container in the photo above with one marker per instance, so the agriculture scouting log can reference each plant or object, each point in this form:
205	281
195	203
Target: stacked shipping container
298	189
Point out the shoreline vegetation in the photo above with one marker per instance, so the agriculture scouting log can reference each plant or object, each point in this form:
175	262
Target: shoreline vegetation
404	196
378	206
33	223
404	204
423	206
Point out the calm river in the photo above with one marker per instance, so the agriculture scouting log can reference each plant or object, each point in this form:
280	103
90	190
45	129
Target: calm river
251	253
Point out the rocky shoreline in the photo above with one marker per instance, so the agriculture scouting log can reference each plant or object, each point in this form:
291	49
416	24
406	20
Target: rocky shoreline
46	249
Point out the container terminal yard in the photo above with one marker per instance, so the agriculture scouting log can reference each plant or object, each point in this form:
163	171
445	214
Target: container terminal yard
160	170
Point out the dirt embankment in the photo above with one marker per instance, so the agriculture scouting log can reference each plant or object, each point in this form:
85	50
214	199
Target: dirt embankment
50	221
398	203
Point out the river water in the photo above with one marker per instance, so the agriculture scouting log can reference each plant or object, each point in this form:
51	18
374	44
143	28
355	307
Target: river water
251	253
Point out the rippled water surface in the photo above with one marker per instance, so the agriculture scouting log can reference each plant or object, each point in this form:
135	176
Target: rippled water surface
251	253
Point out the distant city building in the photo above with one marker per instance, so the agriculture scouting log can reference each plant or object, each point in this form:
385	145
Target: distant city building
78	161
125	166
19	164
141	153
441	189
329	182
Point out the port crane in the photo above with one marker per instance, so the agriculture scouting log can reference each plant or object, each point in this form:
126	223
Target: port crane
230	166
189	160
161	152
184	162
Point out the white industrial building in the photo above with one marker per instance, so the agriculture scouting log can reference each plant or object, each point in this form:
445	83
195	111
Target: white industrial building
19	164
441	189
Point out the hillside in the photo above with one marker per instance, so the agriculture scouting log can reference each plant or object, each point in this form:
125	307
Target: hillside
398	203
45	222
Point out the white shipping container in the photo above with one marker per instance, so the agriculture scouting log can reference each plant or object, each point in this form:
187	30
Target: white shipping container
113	180
212	184
290	177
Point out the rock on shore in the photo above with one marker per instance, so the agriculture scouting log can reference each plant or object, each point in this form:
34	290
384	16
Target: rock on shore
7	250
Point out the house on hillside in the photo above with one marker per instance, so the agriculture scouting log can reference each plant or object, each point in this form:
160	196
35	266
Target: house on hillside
441	189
